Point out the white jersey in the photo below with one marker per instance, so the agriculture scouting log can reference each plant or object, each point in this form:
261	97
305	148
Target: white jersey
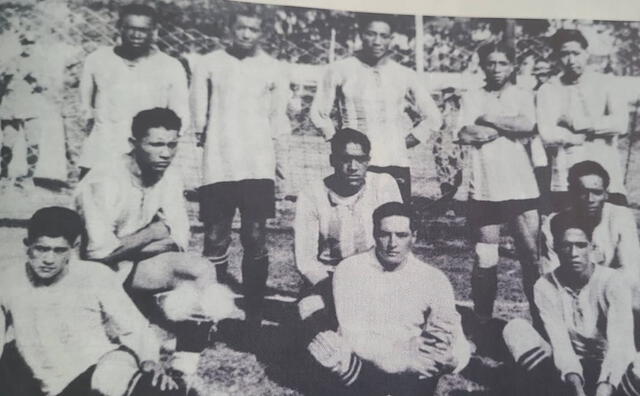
590	102
500	170
113	90
373	100
62	329
114	203
244	113
329	227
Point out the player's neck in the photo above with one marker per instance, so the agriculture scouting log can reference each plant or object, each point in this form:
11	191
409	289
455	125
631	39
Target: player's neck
371	60
131	54
241	53
341	189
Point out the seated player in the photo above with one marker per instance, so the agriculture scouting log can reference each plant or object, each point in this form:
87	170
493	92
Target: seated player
72	323
615	236
333	215
498	122
386	323
586	312
136	223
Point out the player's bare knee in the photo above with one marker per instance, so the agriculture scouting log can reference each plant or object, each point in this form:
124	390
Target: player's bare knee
113	373
487	255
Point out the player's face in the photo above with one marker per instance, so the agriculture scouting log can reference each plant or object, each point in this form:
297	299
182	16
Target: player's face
573	58
350	165
573	252
591	195
497	68
394	240
156	149
376	38
542	71
246	32
136	32
48	257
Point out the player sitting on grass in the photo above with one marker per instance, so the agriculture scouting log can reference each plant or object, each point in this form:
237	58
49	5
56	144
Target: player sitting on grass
586	312
333	215
136	223
73	325
388	323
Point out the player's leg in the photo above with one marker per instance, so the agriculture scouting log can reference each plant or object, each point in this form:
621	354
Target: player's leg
257	204
255	268
484	276
117	374
9	137
169	270
534	372
32	136
525	230
218	204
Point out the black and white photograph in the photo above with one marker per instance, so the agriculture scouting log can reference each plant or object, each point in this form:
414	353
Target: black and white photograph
217	198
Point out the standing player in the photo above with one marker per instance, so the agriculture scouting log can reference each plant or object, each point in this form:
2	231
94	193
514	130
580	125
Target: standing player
581	116
333	215
497	120
372	91
239	117
73	325
118	82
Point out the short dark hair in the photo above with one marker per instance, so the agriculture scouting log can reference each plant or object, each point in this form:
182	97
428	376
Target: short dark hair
566	35
154	118
392	209
364	19
138	9
568	219
585	168
248	10
53	222
489	48
347	135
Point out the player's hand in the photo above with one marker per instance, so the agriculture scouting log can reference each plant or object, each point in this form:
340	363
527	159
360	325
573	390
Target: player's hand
420	360
477	136
161	379
330	350
411	141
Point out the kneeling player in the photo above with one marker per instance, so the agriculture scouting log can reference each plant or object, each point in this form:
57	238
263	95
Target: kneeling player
386	323
136	221
66	314
333	215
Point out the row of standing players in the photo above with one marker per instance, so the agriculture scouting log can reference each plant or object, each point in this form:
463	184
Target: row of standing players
134	212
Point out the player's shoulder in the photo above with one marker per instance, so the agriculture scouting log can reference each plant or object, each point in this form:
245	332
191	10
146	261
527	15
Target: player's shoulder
428	271
100	54
355	264
92	272
380	180
12	273
166	59
313	190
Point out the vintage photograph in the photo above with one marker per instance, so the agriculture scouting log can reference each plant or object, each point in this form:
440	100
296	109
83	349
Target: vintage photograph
211	197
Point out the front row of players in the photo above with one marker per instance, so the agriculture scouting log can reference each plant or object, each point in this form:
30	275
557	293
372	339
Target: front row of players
381	321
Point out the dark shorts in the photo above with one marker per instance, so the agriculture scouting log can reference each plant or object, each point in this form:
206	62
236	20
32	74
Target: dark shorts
402	174
81	385
482	213
255	198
